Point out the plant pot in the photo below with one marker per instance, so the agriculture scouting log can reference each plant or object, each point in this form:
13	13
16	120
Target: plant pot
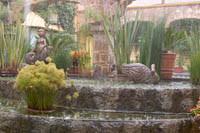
36	111
86	73
167	65
178	69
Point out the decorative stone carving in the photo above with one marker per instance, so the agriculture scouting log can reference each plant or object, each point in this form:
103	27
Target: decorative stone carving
139	73
41	51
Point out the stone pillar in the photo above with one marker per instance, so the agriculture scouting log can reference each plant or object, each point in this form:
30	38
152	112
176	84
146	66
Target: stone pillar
102	56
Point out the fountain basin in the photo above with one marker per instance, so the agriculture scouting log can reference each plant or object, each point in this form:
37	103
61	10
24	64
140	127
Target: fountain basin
15	118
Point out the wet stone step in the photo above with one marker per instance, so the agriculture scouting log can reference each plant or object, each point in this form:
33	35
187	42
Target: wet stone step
176	97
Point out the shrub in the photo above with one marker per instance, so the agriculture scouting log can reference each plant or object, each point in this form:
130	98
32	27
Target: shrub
62	45
40	82
187	24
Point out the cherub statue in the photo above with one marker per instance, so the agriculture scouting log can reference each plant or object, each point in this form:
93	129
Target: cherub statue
41	50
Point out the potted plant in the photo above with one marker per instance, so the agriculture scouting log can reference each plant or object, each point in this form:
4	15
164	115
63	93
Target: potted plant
40	83
171	39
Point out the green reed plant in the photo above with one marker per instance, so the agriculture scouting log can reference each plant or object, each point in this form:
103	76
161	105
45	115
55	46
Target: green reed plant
194	63
151	44
40	83
194	68
13	46
120	34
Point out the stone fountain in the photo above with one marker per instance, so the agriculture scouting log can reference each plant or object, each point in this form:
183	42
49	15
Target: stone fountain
105	106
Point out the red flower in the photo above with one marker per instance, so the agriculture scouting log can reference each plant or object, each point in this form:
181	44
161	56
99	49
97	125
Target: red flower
192	109
197	106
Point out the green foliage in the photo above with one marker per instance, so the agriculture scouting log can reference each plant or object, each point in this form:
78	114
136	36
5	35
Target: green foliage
84	60
13	46
151	44
120	35
62	45
40	82
64	11
194	68
173	38
188	24
3	12
194	43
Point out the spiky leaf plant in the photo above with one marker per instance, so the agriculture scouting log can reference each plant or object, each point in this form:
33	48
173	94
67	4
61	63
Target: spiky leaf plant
13	46
120	34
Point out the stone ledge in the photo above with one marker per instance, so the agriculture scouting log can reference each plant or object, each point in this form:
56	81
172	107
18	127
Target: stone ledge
19	123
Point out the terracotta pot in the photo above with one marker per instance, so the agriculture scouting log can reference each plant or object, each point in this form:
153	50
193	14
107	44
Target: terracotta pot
178	69
39	111
167	65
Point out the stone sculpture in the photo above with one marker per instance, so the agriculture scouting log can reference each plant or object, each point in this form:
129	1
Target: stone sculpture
139	73
41	50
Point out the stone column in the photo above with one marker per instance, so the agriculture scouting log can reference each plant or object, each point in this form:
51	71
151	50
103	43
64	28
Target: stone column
102	56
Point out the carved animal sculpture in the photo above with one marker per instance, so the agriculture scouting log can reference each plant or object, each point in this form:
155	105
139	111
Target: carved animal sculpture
139	73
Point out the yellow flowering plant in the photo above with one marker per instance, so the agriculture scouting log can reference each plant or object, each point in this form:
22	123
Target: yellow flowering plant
40	82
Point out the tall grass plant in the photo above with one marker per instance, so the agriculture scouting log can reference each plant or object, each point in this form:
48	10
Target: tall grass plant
194	63
13	46
151	44
120	34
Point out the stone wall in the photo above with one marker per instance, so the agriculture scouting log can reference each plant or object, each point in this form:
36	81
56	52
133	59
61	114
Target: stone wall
174	12
103	5
19	123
